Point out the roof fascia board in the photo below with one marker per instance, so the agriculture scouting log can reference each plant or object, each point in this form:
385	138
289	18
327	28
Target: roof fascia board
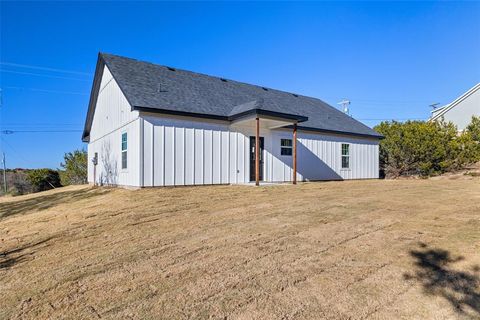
262	112
346	133
101	64
97	78
268	114
181	113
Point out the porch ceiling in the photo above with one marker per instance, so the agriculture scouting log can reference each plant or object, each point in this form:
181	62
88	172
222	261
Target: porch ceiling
265	123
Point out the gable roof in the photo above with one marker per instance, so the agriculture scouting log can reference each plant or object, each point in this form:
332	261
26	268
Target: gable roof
156	88
437	113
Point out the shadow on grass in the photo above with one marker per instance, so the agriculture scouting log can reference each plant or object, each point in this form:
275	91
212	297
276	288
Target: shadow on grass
43	202
12	257
435	273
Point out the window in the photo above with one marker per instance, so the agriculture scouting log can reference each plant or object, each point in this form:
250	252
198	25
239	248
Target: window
286	147
345	156
124	150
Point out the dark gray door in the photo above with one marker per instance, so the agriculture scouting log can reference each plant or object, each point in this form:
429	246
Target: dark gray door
252	158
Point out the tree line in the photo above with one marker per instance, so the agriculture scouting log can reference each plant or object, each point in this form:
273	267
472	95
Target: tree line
73	171
408	148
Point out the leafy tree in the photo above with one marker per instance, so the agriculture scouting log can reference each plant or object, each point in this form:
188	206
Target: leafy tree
43	179
75	167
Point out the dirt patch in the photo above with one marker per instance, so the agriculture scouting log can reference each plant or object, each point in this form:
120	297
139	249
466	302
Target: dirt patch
336	250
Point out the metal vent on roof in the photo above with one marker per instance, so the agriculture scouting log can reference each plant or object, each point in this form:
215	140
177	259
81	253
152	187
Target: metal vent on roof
171	69
224	80
266	89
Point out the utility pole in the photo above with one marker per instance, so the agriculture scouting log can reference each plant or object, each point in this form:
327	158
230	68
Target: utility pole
4	174
3	158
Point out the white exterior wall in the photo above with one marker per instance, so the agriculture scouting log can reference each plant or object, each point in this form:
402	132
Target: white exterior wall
190	152
113	116
319	157
461	114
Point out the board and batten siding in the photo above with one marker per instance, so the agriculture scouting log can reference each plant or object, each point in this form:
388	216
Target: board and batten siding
178	151
113	116
182	152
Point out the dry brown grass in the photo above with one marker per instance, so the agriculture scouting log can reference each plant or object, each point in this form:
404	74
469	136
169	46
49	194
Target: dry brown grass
336	250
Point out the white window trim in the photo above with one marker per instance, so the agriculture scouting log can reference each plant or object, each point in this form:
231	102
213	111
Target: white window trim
286	147
349	168
122	151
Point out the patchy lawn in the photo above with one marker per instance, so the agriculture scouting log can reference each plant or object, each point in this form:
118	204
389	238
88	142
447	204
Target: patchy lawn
337	250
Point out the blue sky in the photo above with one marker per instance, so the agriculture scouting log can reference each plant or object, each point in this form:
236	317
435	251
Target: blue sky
391	59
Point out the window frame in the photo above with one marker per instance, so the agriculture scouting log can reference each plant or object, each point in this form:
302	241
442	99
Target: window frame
345	156
124	151
286	147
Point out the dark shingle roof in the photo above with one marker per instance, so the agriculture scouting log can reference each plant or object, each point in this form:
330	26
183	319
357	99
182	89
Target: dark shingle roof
152	86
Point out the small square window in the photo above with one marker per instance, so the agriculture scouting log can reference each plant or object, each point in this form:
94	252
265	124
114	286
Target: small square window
286	147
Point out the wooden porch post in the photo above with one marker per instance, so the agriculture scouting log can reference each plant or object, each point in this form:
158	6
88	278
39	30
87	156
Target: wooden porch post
257	151
294	178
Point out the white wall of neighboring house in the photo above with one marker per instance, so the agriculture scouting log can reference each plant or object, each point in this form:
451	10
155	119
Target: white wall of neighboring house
460	111
171	150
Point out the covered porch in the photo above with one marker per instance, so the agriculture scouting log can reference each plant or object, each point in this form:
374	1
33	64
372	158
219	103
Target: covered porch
262	119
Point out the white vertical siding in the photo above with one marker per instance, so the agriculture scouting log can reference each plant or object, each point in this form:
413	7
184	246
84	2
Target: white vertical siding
112	109
113	116
109	168
193	152
189	152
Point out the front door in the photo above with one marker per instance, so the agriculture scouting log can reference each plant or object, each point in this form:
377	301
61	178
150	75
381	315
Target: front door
252	159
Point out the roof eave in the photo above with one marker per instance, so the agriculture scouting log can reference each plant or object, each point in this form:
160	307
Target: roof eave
97	78
295	118
347	133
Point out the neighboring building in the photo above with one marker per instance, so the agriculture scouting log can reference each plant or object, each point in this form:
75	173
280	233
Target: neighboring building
151	125
461	110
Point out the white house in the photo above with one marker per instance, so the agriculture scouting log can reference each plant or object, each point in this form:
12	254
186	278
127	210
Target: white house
151	125
460	111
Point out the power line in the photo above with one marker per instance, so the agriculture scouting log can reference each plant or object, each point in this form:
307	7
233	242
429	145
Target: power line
375	100
42	75
31	126
19	156
392	119
36	131
11	64
47	91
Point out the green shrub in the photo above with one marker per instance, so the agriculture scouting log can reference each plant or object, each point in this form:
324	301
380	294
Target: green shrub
474	128
43	179
425	148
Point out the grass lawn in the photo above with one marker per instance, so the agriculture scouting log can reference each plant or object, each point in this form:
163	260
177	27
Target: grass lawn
336	250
